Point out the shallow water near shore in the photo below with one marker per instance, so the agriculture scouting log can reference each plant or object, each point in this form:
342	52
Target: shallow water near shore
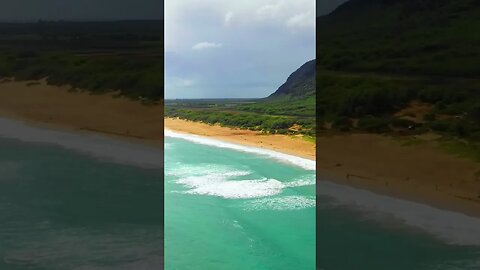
358	229
66	203
233	209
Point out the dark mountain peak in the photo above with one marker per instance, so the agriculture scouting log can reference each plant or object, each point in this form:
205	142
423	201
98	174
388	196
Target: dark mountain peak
299	83
409	6
394	17
355	4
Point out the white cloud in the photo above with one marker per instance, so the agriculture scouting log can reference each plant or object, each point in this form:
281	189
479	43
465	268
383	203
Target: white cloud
178	82
270	11
306	19
299	13
209	42
206	45
185	83
186	20
228	17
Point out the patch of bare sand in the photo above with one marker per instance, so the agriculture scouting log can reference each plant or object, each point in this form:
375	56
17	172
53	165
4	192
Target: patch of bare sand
415	111
420	172
37	102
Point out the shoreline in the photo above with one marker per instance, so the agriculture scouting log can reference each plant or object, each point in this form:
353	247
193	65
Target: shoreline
297	161
451	227
97	145
419	173
58	108
422	174
295	146
82	131
439	201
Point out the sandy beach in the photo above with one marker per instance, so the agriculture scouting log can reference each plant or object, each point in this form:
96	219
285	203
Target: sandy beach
296	146
56	106
422	173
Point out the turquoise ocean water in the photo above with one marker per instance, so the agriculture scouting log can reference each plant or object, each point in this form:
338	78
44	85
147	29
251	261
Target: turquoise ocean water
70	201
358	229
230	209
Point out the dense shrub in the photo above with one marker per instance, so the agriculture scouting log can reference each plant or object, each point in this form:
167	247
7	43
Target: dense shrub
440	126
342	123
246	120
401	123
374	124
430	116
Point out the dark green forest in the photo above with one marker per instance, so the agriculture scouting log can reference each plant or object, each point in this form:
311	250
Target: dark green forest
400	67
259	115
125	56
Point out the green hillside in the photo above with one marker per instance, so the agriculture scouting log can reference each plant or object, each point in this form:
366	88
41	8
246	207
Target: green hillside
299	84
400	66
296	97
289	110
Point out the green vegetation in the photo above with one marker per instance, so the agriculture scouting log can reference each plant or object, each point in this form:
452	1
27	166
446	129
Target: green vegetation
286	105
124	56
245	114
461	148
401	67
290	110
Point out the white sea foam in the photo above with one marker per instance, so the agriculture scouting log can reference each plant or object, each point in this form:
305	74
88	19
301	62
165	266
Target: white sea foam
96	145
228	182
281	203
222	181
452	227
294	160
186	170
167	146
218	185
302	182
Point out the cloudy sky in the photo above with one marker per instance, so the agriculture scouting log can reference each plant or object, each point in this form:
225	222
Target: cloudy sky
235	49
28	10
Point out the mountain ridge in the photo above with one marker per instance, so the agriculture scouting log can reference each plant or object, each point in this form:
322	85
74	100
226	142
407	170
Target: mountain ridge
299	84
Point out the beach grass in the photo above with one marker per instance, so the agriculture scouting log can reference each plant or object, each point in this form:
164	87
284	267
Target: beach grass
460	148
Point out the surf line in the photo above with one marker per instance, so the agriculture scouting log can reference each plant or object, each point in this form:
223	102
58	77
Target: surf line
304	163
